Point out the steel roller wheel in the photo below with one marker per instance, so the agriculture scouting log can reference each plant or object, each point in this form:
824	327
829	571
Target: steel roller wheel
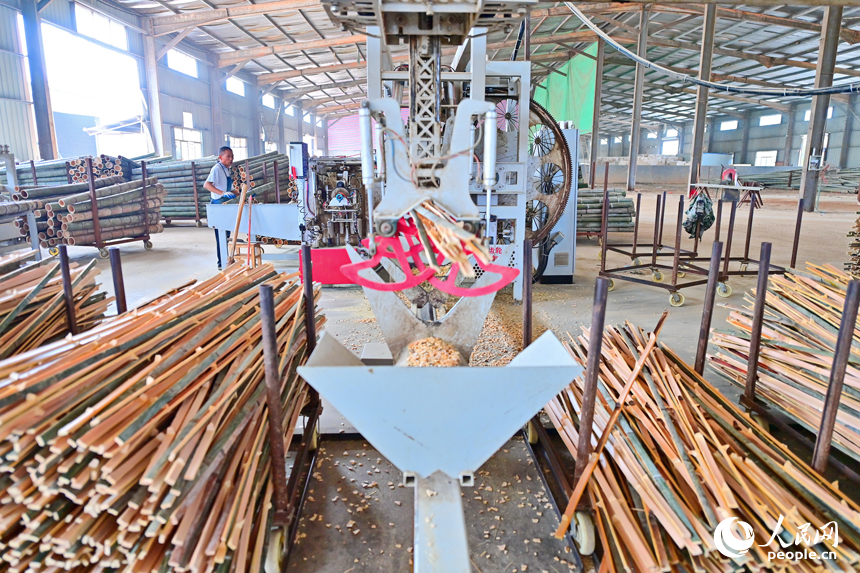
549	174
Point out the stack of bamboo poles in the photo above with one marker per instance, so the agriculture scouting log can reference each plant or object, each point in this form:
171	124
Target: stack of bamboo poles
801	321
852	267
178	180
63	171
142	445
589	210
832	180
681	459
64	215
32	306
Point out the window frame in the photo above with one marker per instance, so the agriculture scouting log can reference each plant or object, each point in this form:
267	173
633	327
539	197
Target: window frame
232	85
732	122
770	119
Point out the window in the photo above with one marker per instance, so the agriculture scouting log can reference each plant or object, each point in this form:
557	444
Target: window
807	115
102	28
651	135
239	145
269	101
671	133
187	143
236	86
765	158
187	120
291	110
604	141
729	125
182	63
616	139
670	147
774	119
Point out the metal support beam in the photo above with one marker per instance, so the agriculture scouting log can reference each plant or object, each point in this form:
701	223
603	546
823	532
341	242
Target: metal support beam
701	117
150	66
828	47
160	25
636	125
745	138
300	121
215	106
282	137
848	132
789	134
595	118
39	81
172	43
232	58
256	122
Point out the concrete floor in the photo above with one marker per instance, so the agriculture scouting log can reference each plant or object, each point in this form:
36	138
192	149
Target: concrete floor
186	253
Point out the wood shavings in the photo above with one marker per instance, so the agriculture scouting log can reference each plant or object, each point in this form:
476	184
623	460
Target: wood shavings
433	352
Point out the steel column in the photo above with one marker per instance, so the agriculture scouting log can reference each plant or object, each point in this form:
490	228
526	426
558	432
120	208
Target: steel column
639	86
282	137
42	109
789	134
796	243
308	286
849	130
758	318
827	50
592	369
150	66
527	292
595	116
68	292
215	106
701	117
841	354
745	137
708	309
118	281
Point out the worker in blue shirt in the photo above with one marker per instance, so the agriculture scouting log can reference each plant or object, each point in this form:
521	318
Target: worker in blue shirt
220	186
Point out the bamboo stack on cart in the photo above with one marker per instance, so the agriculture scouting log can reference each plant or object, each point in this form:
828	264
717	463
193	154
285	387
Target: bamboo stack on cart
142	445
64	171
681	459
832	180
32	306
802	317
589	211
64	215
180	177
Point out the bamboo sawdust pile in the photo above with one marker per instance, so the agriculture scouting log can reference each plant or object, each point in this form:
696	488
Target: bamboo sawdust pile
64	214
142	445
801	322
32	306
681	459
432	351
179	179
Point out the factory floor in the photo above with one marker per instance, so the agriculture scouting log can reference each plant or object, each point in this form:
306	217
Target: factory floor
368	527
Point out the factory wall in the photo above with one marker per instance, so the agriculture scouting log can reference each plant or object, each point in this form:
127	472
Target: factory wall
17	125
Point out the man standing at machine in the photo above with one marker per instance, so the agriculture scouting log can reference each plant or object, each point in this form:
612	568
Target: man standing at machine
220	187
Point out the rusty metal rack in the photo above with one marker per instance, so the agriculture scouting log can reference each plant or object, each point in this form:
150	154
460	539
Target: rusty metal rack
684	261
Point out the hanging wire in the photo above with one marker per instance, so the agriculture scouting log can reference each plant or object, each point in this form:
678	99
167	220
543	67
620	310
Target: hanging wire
767	92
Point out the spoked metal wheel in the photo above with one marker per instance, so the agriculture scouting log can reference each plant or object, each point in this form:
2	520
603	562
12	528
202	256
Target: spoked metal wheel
508	115
549	174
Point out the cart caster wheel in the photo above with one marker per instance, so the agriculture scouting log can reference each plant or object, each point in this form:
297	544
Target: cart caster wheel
635	262
676	299
582	531
103	253
681	274
657	276
275	551
147	245
315	440
724	290
611	285
199	224
744	268
53	251
599	255
531	432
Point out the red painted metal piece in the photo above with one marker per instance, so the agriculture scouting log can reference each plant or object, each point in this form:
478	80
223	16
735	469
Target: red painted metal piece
327	264
409	257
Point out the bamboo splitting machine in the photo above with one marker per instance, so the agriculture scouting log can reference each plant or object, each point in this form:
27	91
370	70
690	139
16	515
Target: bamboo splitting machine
427	235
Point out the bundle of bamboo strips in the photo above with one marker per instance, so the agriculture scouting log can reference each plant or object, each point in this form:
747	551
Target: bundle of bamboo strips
149	448
589	210
681	459
32	306
120	207
802	317
832	179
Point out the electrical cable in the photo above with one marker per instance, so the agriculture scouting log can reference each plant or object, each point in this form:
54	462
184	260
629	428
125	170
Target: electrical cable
767	92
